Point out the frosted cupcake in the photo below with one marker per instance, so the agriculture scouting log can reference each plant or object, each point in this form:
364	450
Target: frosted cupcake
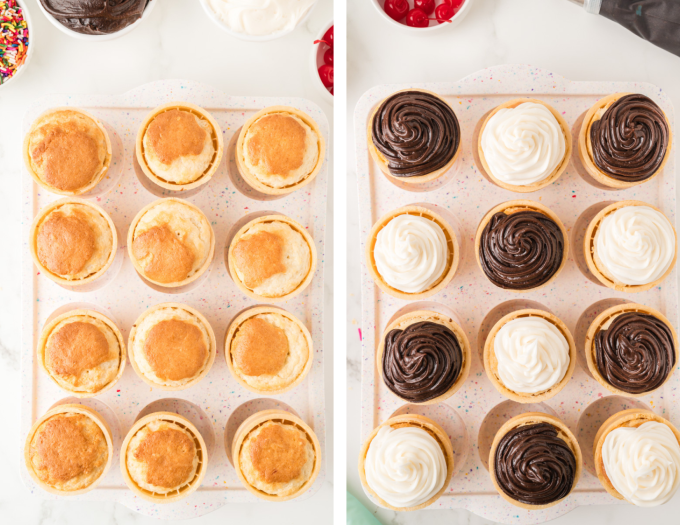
524	145
630	246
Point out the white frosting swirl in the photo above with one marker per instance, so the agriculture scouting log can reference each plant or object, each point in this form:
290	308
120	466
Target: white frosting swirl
405	466
636	244
411	253
260	17
643	463
532	354
523	145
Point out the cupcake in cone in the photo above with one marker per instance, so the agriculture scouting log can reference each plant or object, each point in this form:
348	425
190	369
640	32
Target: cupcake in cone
424	357
524	145
631	349
630	246
637	457
521	245
535	461
412	253
408	443
414	136
529	356
625	140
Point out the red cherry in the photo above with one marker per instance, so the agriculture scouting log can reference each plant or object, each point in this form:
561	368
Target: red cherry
425	5
417	18
328	57
455	4
330	90
444	13
328	36
326	75
396	9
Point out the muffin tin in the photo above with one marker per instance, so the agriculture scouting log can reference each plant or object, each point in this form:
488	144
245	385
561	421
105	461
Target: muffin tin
476	411
218	404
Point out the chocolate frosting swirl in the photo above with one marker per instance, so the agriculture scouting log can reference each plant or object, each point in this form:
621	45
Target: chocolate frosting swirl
636	353
417	132
421	362
522	250
95	17
533	465
630	141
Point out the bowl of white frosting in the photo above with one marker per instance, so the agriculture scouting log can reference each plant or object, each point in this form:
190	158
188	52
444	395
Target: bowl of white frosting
258	20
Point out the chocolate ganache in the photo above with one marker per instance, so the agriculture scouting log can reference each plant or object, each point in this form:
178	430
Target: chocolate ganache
636	353
630	141
521	250
421	362
95	17
416	132
533	465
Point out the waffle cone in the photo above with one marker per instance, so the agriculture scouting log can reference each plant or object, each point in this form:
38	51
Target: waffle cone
452	243
410	420
216	136
279	416
585	148
382	162
253	181
603	321
593	261
509	208
557	172
526	419
491	363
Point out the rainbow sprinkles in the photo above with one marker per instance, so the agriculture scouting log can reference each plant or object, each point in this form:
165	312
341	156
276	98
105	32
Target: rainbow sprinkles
13	39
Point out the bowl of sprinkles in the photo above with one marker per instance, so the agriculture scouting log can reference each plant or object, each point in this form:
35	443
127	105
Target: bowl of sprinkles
15	48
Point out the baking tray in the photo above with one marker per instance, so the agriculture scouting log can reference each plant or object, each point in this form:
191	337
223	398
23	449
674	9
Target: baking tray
468	195
218	403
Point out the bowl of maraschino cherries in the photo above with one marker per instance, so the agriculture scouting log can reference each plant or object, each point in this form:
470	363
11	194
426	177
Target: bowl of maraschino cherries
321	62
423	15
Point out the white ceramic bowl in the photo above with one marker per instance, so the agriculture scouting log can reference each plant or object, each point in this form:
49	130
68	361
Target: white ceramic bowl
253	38
457	18
316	61
31	44
99	38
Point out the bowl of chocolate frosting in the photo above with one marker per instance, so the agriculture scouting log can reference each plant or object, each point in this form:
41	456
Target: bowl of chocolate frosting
96	19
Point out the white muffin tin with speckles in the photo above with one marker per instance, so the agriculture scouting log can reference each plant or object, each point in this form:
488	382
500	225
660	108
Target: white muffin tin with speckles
466	194
217	404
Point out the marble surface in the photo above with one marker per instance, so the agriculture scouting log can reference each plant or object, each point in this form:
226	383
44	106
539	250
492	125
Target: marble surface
552	34
177	41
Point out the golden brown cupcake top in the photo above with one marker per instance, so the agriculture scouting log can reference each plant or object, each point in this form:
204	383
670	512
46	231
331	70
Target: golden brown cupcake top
278	453
175	350
259	257
260	348
76	347
278	143
175	134
169	455
65	243
172	260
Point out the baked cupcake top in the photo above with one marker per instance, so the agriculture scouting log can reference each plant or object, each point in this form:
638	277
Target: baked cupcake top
68	452
178	146
73	241
162	457
634	245
629	138
269	351
171	241
643	462
524	144
521	250
277	459
82	353
68	151
534	465
635	352
271	258
417	133
171	346
280	149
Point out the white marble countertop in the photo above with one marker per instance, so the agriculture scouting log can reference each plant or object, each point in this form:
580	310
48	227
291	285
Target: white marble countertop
177	41
552	34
